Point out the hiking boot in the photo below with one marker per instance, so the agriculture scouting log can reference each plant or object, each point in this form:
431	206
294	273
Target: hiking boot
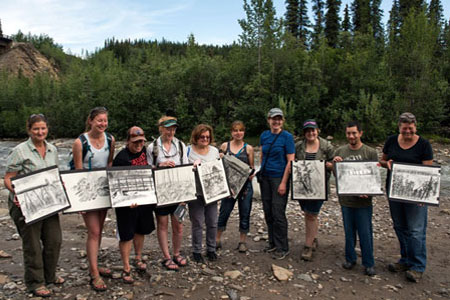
211	255
280	255
397	267
198	258
348	265
414	276
315	244
370	271
242	247
307	253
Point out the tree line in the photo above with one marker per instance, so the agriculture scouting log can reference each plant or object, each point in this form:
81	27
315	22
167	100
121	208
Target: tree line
332	69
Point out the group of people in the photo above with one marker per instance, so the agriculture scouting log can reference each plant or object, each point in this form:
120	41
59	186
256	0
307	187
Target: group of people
41	241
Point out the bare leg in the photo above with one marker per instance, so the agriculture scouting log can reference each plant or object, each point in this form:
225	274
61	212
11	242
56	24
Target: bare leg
138	242
125	250
162	233
219	235
312	228
242	237
177	235
94	222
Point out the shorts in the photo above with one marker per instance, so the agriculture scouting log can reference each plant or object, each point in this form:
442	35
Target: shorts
311	207
166	210
134	220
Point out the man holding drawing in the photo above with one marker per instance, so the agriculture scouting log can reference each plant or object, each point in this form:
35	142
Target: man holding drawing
357	210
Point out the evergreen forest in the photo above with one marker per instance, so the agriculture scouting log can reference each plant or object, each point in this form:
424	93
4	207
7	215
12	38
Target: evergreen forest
335	67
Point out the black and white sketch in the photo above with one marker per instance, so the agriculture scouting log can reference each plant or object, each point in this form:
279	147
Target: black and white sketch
86	189
358	178
131	185
40	194
308	180
237	173
175	185
415	183
213	180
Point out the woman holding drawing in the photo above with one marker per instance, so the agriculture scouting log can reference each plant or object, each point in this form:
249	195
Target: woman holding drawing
199	213
278	150
135	221
410	220
244	152
39	261
92	150
313	147
168	151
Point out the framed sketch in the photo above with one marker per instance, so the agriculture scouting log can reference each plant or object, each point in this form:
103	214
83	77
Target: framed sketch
40	194
415	183
175	185
86	189
358	178
308	180
237	173
131	185
213	180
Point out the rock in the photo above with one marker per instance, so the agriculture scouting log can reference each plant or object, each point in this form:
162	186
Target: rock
82	254
3	254
320	286
207	271
116	275
84	266
343	279
236	287
81	297
109	242
3	279
233	274
305	277
232	294
329	271
10	286
315	276
280	273
299	286
445	211
256	239
15	236
217	279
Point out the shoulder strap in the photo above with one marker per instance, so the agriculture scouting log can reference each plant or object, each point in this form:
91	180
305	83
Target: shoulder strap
242	149
228	148
268	152
85	145
155	151
180	146
188	150
109	139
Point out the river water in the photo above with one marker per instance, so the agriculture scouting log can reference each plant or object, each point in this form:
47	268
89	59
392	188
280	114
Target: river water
64	156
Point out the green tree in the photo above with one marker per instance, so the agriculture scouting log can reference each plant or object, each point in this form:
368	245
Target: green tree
346	25
319	19
332	22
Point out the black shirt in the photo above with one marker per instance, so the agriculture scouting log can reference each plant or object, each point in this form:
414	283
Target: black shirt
126	158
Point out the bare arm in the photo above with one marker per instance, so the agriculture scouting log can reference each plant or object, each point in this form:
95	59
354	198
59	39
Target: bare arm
251	156
77	152
287	172
427	162
384	162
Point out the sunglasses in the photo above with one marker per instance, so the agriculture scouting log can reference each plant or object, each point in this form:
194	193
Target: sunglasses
97	110
204	137
32	116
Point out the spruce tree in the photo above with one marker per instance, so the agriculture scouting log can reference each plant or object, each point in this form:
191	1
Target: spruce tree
1	31
292	17
332	22
405	7
303	21
361	15
376	15
346	26
394	22
435	13
317	7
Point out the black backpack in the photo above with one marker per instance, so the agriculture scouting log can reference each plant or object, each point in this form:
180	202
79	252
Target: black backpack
86	148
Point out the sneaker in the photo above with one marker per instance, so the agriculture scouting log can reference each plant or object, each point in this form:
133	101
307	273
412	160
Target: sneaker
397	267
242	247
307	253
315	244
370	271
270	249
212	256
414	276
280	255
348	265
198	258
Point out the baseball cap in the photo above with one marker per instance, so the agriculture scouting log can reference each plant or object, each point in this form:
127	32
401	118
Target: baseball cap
275	112
135	133
310	123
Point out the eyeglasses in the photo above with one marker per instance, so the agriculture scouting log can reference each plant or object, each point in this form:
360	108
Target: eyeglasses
204	137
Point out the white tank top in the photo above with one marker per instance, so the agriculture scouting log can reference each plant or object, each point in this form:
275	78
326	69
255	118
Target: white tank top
99	157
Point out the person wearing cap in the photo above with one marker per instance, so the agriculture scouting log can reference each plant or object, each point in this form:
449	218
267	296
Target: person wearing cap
313	147
133	222
278	150
168	151
409	220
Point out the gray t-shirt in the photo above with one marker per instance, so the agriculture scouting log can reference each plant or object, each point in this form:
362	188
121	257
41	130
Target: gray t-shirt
364	153
212	154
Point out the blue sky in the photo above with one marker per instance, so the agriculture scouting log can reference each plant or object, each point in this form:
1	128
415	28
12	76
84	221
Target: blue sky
85	24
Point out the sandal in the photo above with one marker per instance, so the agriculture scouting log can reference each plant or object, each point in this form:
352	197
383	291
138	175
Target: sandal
169	265
98	284
105	272
180	260
126	277
140	265
42	291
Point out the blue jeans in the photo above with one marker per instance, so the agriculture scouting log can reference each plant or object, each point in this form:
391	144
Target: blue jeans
245	206
274	207
410	225
358	220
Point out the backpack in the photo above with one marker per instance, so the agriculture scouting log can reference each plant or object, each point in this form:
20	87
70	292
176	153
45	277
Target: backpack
86	147
155	151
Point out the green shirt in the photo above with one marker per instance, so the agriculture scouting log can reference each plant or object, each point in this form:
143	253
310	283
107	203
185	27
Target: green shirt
25	158
364	153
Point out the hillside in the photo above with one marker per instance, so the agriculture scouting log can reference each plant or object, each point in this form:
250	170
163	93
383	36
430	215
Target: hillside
25	57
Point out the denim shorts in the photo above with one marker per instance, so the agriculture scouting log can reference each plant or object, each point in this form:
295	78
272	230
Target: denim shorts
311	207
